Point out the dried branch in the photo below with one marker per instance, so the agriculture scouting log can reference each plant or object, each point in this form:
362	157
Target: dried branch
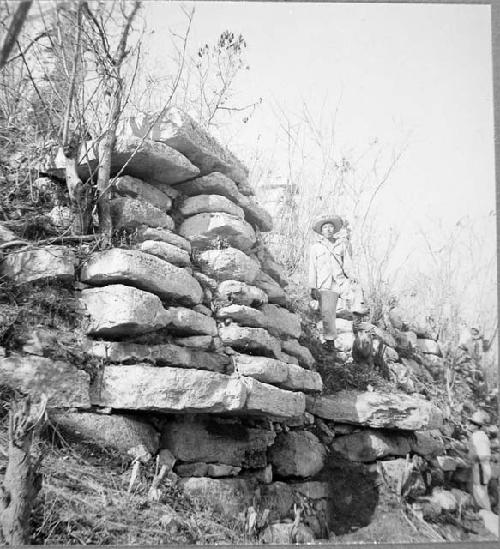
14	30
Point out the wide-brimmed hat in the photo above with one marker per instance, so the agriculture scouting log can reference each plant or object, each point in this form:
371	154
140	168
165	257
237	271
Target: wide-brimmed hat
335	220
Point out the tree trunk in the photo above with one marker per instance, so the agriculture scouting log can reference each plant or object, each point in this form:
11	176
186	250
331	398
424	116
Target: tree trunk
22	480
80	196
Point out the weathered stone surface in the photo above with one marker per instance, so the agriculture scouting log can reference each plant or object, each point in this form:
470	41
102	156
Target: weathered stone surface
284	533
162	235
162	355
274	291
264	399
200	308
427	444
146	272
167	252
450	463
142	387
303	354
151	161
64	385
212	441
313	489
406	340
126	434
243	315
180	131
122	310
249	339
209	203
135	188
228	264
239	293
214	183
401	477
130	213
48	263
197	469
204	229
6	235
287	359
490	521
343	326
300	379
263	475
255	214
187	321
280	322
279	498
228	496
197	341
429	346
369	445
344	342
378	410
480	417
443	499
218	470
297	454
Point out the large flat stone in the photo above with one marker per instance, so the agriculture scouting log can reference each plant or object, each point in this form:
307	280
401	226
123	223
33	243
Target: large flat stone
243	315
428	444
255	214
301	379
136	188
64	385
213	441
48	263
280	322
239	293
164	354
126	434
369	445
247	339
168	252
297	454
189	322
209	203
119	310
130	213
143	387
215	183
178	130
378	410
274	291
146	272
228	264
303	354
205	229
162	235
264	399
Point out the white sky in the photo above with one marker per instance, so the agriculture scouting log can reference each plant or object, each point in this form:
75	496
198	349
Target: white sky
419	69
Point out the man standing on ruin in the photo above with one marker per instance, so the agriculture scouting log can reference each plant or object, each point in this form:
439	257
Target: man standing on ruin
330	270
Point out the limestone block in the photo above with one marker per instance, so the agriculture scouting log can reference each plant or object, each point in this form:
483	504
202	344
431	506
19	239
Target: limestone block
344	342
130	213
228	496
180	131
167	252
119	310
228	264
243	315
214	183
187	321
218	470
279	498
64	385
343	326
297	454
197	469
162	235
239	293
267	370
200	308
151	161
370	445
377	410
480	417
255	214
443	499
429	346
300	379
163	355
401	477
145	271
264	399
280	322
48	263
135	188
198	341
288	359
450	463
126	434
303	354
205	229
490	521
247	339
143	387
427	444
274	291
209	203
212	441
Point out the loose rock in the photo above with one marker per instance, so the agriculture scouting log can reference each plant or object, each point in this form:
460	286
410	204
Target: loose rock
130	213
298	454
228	264
239	293
167	252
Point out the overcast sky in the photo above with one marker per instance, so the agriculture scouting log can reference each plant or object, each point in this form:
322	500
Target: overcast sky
419	70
